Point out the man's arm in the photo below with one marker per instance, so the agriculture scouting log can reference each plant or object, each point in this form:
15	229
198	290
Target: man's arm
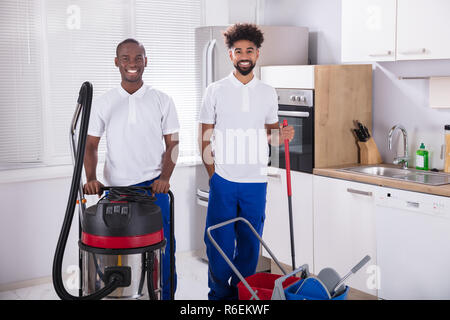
276	134
92	186
169	161
205	133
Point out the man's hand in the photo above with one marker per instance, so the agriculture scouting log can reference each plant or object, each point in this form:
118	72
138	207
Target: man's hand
286	133
93	187
160	186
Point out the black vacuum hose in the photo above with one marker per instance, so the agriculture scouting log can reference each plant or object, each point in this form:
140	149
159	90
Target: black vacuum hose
85	100
172	245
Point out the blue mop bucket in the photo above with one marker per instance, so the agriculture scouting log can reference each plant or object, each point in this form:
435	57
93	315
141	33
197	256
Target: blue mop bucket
314	291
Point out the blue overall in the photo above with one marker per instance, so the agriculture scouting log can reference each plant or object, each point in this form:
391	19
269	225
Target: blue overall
228	200
162	200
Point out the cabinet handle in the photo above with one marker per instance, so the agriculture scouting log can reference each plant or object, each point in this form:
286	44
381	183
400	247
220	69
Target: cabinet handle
203	193
202	201
419	51
295	114
412	204
387	53
363	193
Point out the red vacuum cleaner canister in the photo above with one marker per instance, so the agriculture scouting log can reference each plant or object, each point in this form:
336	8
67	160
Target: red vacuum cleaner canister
122	224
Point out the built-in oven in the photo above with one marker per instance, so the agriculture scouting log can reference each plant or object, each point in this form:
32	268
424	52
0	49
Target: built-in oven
297	107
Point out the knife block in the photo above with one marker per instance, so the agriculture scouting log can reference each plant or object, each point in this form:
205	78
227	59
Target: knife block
368	152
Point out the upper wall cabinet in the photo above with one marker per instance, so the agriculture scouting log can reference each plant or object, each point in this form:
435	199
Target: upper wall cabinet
388	30
368	30
423	29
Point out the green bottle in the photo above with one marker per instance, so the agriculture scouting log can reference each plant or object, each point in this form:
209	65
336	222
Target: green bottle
422	158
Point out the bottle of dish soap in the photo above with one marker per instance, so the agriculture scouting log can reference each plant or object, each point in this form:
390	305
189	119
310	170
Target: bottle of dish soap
447	149
422	158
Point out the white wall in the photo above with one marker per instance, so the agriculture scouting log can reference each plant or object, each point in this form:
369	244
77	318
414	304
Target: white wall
224	12
32	214
407	102
320	16
394	101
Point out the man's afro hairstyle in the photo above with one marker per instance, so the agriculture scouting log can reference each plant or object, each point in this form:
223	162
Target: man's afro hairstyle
243	31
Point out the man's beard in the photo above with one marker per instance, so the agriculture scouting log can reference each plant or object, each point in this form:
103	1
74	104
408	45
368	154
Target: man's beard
248	70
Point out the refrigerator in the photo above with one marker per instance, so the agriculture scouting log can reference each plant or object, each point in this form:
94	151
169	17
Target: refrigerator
283	45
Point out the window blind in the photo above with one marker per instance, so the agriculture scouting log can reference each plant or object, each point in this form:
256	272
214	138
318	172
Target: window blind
167	30
20	83
82	37
46	57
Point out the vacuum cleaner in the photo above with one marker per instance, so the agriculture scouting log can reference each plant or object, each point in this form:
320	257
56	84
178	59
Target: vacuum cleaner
121	238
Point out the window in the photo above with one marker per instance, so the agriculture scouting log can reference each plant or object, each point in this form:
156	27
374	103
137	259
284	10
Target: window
81	39
167	30
20	84
46	57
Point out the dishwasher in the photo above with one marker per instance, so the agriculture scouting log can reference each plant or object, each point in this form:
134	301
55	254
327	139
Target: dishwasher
413	245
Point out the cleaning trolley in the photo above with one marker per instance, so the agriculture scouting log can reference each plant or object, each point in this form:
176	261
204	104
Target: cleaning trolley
327	285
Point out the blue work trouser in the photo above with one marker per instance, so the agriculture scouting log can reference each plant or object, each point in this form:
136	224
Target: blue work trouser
228	200
162	200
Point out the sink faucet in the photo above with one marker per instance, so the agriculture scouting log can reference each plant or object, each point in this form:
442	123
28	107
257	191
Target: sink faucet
403	161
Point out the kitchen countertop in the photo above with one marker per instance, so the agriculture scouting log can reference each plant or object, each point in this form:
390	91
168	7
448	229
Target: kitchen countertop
333	172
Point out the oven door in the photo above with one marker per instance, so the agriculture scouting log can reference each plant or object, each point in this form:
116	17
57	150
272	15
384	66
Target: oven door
301	148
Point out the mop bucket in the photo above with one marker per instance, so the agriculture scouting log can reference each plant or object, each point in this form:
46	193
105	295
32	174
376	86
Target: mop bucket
259	286
312	289
263	284
316	293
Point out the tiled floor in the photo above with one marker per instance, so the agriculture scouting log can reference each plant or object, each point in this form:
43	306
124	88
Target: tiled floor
192	283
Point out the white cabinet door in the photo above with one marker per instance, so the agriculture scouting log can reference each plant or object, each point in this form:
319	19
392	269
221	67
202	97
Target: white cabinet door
276	227
423	29
368	30
344	229
275	204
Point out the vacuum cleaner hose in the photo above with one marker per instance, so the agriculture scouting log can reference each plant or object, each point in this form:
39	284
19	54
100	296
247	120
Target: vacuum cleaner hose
85	100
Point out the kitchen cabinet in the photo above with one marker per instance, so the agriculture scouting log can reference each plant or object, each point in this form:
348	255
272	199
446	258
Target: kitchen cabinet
389	30
344	229
423	29
276	226
368	30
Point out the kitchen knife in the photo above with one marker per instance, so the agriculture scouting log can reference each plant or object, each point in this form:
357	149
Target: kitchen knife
360	135
361	128
356	134
366	131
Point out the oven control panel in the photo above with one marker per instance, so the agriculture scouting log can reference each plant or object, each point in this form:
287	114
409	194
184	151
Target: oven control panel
295	97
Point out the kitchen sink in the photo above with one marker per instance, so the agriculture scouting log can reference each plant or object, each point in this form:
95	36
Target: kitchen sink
410	175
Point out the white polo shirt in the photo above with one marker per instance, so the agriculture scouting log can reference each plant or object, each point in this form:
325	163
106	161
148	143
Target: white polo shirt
239	113
134	126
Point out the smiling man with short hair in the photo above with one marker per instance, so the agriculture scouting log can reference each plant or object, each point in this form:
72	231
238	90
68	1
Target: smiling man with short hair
141	127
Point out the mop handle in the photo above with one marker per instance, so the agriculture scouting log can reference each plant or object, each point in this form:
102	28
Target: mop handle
288	162
354	270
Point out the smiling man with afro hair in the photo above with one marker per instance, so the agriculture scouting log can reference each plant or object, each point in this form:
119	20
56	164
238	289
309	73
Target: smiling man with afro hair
238	106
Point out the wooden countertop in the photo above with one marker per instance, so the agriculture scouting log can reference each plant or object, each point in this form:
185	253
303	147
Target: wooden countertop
333	172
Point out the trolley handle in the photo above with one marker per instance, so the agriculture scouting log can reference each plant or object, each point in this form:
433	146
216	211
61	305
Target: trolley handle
278	290
228	261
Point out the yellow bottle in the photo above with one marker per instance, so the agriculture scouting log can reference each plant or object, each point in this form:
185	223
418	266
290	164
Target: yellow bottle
447	148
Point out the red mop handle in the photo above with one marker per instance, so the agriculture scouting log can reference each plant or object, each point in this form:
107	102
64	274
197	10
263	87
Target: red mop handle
288	162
